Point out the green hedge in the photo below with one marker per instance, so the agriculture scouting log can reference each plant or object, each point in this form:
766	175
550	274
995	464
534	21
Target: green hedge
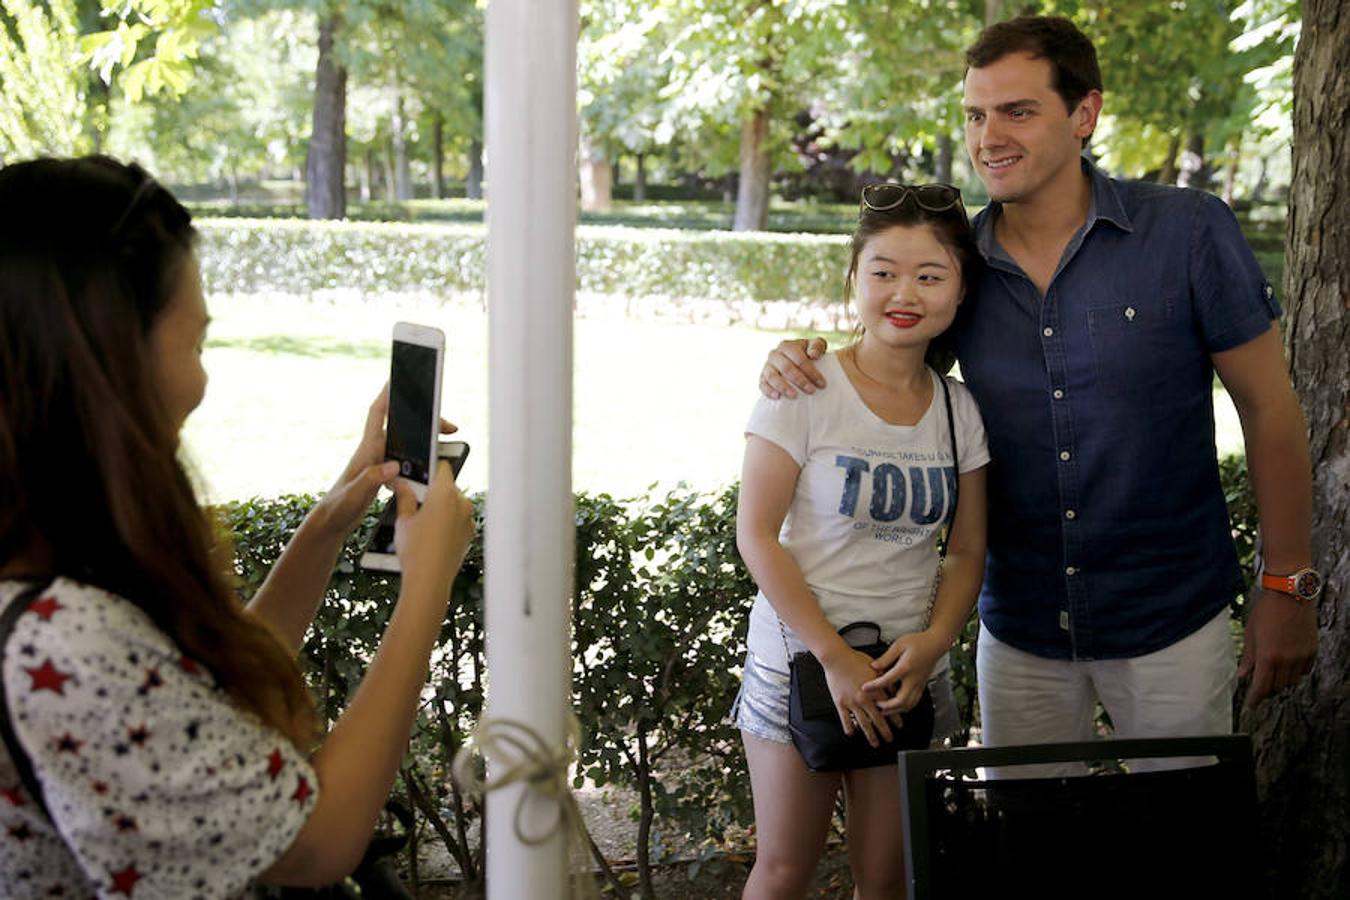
661	607
298	256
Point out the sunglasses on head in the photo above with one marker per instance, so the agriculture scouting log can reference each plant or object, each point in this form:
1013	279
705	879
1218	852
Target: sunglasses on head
934	198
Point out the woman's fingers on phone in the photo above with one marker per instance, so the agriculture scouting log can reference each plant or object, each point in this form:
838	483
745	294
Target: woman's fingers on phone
448	427
405	498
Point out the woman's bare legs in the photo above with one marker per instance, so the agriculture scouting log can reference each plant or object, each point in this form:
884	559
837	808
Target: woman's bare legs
793	807
876	851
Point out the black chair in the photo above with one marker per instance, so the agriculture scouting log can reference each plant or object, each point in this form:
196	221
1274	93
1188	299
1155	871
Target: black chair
1184	833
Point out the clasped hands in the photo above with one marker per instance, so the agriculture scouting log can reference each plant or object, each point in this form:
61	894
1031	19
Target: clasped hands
872	695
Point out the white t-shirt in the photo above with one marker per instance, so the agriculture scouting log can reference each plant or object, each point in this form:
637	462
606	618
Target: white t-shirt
160	788
870	500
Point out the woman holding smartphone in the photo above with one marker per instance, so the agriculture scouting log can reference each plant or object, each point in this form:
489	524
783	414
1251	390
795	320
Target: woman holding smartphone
171	747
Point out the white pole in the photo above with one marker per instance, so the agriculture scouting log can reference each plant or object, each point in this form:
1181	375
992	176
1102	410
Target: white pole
531	215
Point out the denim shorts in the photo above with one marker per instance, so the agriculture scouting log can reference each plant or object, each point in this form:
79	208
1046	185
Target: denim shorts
761	707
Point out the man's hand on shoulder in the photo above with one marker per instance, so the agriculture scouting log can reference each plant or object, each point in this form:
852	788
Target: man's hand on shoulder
1280	644
791	367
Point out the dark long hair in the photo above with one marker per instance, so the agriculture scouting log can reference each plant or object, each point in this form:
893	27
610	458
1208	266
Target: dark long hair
952	229
91	487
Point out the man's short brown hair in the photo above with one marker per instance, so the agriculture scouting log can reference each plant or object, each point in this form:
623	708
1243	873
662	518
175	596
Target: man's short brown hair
1073	59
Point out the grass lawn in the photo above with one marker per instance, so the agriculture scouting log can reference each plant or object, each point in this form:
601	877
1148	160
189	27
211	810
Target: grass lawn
652	402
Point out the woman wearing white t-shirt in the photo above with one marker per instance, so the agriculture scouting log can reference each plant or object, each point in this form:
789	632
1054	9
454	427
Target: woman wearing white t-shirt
843	494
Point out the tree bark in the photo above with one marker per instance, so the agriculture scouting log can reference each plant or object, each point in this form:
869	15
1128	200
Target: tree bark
1302	737
473	184
1231	170
438	157
367	175
752	192
596	187
390	178
1194	171
402	166
326	162
1168	173
640	178
942	160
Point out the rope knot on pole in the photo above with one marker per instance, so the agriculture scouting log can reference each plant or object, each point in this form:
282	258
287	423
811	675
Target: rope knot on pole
502	752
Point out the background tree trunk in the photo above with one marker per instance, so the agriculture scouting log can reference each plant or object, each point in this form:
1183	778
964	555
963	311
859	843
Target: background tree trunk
390	179
367	174
438	157
473	183
1168	173
596	174
326	162
1194	173
1230	170
1303	737
942	160
402	165
752	192
640	178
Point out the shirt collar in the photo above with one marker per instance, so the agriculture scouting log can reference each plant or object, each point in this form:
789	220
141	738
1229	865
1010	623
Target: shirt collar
1105	206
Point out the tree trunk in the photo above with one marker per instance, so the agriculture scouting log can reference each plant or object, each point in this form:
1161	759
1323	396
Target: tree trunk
367	175
1194	172
326	161
1231	170
640	179
596	188
942	163
993	11
1259	190
752	193
390	179
473	184
438	157
1168	173
402	166
1302	737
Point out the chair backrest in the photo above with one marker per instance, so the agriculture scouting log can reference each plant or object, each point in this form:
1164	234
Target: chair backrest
1184	832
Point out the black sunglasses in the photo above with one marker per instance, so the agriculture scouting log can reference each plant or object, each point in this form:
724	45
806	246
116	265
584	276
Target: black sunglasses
934	198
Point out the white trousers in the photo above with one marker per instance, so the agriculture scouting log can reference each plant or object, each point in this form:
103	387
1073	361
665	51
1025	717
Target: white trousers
1183	690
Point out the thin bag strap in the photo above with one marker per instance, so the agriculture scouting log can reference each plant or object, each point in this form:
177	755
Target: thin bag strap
22	764
956	496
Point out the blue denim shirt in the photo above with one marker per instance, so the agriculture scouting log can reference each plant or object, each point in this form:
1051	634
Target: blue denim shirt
1108	532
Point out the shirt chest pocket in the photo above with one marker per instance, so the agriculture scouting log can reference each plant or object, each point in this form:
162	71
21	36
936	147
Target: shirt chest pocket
1132	344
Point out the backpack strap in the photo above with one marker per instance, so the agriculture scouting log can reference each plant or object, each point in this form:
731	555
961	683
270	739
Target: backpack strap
22	764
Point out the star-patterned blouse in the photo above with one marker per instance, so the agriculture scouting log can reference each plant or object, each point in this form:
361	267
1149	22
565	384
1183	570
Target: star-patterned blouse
159	787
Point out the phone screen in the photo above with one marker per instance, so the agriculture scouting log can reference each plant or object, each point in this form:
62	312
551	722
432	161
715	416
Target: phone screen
412	391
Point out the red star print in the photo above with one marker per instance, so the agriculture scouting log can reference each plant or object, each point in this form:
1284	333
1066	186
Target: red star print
125	823
12	795
188	665
152	680
302	791
47	677
138	735
67	743
274	764
100	787
45	608
124	882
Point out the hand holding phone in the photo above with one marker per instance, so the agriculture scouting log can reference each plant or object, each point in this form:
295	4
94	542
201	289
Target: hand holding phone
380	554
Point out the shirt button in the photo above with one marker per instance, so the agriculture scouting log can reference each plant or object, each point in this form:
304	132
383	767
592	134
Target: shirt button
1064	455
1070	514
1048	332
1070	571
1058	395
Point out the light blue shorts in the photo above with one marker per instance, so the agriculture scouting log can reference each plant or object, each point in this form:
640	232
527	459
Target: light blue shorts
761	707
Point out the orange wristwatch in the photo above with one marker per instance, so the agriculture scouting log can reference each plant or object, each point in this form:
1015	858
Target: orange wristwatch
1305	585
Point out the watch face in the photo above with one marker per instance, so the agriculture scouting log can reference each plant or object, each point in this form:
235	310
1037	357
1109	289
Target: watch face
1307	585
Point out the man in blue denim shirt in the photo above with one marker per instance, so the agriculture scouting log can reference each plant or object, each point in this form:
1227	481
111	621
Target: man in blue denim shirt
1091	344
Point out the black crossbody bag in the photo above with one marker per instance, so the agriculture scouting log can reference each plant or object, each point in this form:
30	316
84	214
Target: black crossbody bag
813	720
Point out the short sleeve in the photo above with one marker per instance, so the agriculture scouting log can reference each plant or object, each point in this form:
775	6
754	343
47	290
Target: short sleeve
785	422
1232	301
971	444
157	783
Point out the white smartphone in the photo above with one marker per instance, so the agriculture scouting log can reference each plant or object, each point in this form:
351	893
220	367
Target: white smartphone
414	402
379	553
